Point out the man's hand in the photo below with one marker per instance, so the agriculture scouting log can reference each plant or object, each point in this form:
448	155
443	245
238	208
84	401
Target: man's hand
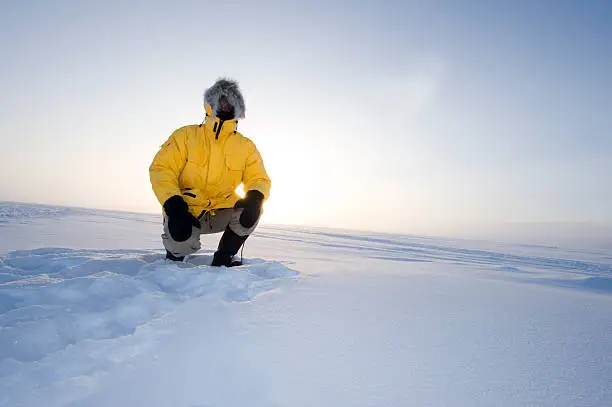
251	205
180	220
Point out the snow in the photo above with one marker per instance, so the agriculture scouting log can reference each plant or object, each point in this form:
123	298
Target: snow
91	314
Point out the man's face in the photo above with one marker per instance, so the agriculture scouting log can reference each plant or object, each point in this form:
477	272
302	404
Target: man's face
225	111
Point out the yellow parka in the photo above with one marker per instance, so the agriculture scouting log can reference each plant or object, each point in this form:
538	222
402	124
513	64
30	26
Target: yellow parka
205	164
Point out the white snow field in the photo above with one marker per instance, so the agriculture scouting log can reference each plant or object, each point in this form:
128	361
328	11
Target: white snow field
91	314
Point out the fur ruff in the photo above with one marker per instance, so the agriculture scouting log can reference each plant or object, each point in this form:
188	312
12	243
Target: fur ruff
228	88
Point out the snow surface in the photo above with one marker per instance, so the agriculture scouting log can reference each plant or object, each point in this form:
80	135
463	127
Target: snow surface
92	315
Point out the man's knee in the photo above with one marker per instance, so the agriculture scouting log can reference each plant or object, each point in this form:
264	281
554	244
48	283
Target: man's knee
236	227
183	248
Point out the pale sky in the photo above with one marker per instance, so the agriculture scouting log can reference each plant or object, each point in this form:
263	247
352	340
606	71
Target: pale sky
413	117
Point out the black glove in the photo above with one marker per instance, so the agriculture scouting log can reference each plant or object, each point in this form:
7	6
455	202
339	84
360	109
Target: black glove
251	205
180	220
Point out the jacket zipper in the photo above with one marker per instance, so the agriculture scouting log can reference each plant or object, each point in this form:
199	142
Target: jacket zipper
207	161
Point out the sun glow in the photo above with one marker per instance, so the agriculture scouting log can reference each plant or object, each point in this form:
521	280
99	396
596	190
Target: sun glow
240	190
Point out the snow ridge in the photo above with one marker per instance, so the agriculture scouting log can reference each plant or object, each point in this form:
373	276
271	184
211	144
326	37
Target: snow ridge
21	213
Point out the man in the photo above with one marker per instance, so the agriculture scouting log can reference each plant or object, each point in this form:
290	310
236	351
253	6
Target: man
196	172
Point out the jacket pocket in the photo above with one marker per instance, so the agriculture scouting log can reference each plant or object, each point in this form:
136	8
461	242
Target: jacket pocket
189	193
234	166
192	196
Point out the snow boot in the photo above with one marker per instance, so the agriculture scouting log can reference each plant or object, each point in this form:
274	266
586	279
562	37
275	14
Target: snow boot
224	259
229	245
172	257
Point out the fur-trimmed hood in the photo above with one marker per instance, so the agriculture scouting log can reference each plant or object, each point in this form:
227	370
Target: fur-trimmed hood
228	88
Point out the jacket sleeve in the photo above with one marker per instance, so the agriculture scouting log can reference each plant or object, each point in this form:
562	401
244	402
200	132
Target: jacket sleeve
167	166
255	176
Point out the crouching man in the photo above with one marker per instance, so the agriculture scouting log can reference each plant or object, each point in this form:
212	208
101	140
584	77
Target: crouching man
195	175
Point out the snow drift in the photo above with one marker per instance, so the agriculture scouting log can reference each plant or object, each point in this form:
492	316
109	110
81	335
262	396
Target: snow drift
314	318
